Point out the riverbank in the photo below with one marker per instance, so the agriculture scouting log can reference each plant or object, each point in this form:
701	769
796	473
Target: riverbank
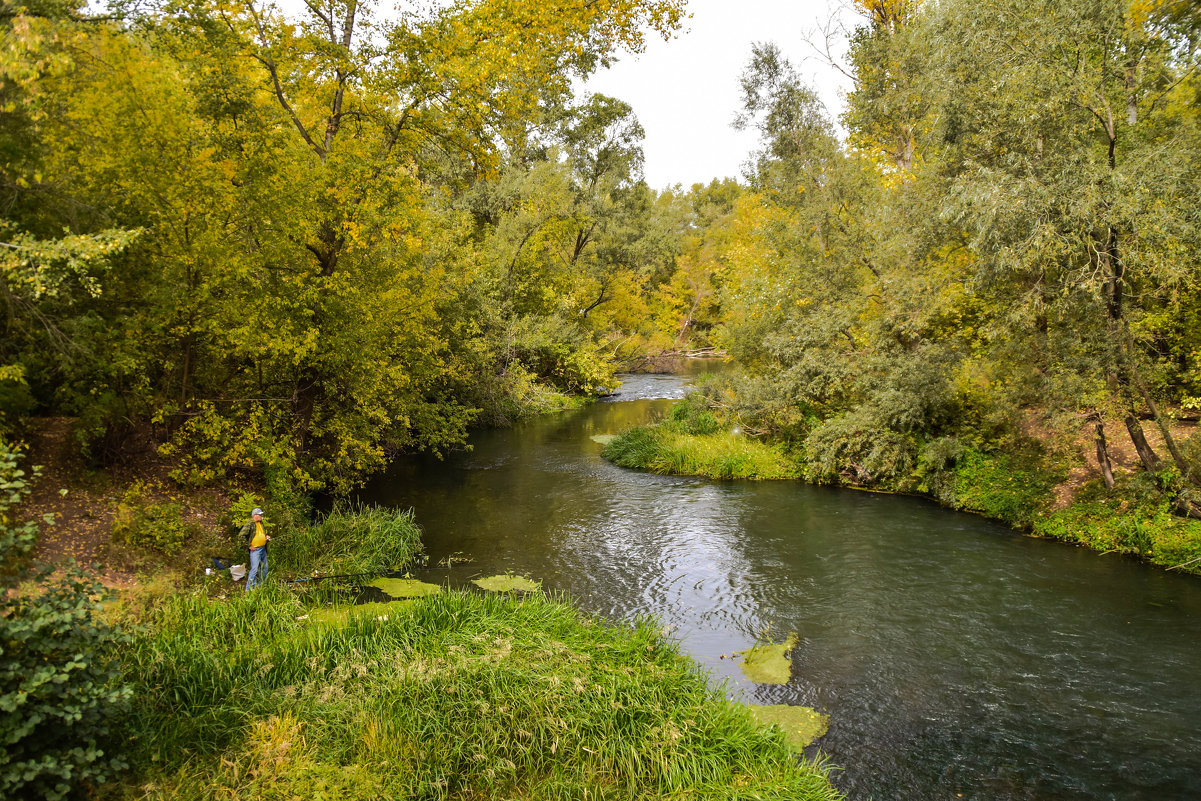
1053	498
295	691
450	696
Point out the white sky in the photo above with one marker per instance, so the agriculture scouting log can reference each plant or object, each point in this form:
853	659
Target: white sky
685	92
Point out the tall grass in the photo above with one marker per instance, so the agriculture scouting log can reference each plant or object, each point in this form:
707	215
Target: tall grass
456	695
350	539
665	449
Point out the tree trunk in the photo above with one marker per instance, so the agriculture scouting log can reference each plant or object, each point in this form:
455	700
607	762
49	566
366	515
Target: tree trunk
1103	456
1146	455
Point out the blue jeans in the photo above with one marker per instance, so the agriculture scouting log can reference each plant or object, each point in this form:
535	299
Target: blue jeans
258	558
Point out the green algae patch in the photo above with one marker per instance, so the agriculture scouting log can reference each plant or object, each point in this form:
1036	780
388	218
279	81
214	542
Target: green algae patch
769	663
405	588
507	584
801	725
603	439
338	615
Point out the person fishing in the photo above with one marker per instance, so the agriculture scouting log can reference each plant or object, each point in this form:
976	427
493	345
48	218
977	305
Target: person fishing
256	539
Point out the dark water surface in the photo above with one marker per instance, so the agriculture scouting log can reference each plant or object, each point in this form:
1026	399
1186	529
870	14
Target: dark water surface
955	658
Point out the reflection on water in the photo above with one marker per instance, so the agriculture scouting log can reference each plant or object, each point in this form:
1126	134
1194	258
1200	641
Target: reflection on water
953	656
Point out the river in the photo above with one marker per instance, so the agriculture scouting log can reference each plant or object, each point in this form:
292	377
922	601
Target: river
956	659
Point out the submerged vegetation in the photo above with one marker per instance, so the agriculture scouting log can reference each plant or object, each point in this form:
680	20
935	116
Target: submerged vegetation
769	663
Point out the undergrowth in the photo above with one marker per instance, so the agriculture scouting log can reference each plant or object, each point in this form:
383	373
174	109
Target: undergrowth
350	539
1136	518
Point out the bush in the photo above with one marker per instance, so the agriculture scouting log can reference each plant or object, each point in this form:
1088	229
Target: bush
665	449
350	539
60	694
854	450
142	522
691	416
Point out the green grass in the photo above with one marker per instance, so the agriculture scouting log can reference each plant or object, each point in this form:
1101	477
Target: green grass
667	450
458	695
350	539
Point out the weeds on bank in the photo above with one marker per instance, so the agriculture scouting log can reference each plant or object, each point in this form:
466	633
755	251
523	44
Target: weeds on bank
350	539
455	695
1136	519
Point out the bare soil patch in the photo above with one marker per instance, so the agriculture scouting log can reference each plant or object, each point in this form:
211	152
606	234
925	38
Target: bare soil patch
1122	454
85	513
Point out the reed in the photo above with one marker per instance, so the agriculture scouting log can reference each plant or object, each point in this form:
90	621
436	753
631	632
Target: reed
455	695
350	539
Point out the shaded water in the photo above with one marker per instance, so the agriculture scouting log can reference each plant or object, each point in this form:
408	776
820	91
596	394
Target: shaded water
956	659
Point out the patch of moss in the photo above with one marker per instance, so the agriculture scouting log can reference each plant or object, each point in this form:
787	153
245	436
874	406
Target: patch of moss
507	584
769	663
801	724
405	588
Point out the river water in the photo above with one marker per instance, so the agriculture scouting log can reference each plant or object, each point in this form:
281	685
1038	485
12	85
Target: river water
955	658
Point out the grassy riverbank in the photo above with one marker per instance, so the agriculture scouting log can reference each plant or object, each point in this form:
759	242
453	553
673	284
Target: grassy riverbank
1029	489
199	690
457	695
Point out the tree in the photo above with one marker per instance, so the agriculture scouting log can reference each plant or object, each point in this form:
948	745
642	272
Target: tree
1069	151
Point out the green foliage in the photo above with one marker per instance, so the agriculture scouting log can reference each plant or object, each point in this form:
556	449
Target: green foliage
692	442
16	402
143	522
691	416
61	695
935	472
359	280
855	450
1007	487
350	539
458	694
1135	519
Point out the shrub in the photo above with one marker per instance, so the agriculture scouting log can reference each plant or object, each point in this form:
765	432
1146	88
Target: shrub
691	416
350	539
142	522
855	450
60	694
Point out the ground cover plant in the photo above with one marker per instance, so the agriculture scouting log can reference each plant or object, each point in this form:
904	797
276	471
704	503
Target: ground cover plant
60	694
458	695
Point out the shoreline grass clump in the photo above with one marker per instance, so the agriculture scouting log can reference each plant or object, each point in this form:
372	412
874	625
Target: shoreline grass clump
350	539
459	695
692	441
